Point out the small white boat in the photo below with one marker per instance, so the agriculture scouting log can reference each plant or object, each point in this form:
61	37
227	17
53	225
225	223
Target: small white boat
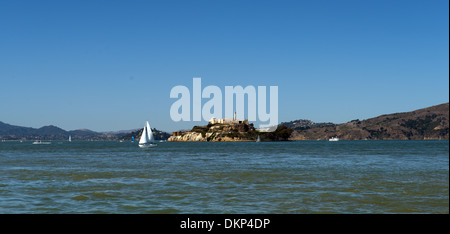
41	143
147	140
259	139
334	139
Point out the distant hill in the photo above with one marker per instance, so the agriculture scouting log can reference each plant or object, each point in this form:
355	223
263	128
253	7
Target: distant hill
11	132
15	131
51	131
422	124
302	124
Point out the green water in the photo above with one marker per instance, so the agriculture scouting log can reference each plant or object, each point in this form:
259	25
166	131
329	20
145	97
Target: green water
225	177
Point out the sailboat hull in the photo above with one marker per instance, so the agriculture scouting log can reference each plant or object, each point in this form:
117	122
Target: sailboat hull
147	145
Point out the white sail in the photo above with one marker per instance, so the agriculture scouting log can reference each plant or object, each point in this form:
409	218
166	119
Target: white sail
147	139
150	133
144	136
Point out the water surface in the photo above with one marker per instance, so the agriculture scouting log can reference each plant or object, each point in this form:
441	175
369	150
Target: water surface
225	177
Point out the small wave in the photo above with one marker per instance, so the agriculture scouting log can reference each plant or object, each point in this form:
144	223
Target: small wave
163	211
80	198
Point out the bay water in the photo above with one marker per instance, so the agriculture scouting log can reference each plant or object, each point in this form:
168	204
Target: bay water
225	177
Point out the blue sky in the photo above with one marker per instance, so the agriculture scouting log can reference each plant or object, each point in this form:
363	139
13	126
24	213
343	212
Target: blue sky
110	65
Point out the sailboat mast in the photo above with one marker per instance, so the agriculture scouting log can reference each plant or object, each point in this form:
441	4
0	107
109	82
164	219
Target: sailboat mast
150	133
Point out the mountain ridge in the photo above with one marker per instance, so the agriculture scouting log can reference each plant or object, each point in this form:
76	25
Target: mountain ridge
421	124
51	132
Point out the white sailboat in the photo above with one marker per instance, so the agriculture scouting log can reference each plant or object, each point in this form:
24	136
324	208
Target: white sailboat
259	139
334	139
70	138
147	140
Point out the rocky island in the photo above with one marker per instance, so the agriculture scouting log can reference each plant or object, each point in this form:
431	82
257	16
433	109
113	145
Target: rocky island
230	130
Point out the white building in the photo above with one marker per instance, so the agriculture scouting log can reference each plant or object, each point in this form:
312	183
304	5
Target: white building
224	120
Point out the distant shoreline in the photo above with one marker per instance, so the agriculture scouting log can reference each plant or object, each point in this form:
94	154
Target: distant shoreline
431	123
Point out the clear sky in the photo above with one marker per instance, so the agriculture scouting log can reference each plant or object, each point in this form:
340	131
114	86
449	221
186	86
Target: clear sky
109	65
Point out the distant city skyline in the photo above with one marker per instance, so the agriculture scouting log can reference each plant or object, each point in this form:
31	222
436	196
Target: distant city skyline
110	65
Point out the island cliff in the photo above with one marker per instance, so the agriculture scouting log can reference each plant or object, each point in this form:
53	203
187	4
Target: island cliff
218	132
232	131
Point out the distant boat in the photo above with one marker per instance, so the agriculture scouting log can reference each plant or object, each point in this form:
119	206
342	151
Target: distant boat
41	143
147	140
334	139
70	138
132	138
259	139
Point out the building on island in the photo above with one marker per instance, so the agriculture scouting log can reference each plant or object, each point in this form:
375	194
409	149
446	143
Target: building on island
233	120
